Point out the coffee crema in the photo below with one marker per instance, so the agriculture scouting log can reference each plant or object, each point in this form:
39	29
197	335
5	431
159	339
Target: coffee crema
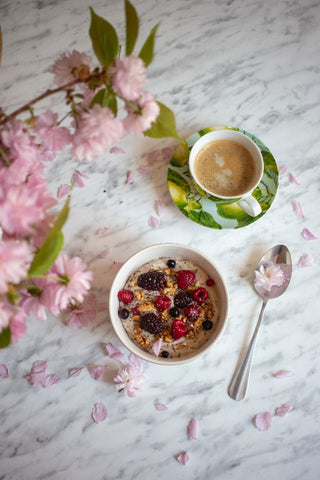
225	168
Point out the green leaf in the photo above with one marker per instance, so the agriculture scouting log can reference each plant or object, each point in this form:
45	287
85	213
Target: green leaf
146	52
5	337
132	27
105	98
164	125
104	39
48	252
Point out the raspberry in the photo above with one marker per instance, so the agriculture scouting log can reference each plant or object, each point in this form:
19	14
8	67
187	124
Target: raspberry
126	296
123	313
152	323
135	311
182	299
207	325
162	303
210	282
192	312
152	281
200	295
185	278
178	329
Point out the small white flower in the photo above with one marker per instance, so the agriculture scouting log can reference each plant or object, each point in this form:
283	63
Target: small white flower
269	276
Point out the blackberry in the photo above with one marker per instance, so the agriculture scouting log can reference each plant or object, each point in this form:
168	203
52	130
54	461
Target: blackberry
171	263
152	281
174	312
164	354
207	325
182	299
123	313
152	323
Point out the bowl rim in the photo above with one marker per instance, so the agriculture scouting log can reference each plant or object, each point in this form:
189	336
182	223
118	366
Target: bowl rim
130	265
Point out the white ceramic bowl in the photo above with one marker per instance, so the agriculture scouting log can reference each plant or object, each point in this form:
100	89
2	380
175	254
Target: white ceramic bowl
171	250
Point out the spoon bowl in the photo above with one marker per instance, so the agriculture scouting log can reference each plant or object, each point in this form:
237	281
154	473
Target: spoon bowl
272	277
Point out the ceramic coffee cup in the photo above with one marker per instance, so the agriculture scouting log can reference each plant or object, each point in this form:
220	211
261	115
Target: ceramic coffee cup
227	165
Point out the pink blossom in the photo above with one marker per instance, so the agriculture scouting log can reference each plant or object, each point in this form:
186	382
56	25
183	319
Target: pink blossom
128	77
130	377
99	412
77	179
307	235
306	260
74	372
193	429
75	281
5	314
52	137
298	210
130	176
283	410
159	207
283	374
183	458
67	64
79	316
98	129
15	259
115	353
33	305
154	222
63	191
262	421
156	347
138	122
293	179
4	372
160	406
97	372
269	276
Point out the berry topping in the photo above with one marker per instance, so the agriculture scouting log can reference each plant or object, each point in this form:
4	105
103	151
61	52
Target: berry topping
207	325
171	263
200	295
178	329
162	303
152	281
210	282
164	354
174	312
192	312
126	296
152	323
182	299
185	278
135	311
123	313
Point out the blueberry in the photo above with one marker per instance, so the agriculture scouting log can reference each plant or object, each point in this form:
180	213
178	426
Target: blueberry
123	313
171	263
207	325
164	354
174	312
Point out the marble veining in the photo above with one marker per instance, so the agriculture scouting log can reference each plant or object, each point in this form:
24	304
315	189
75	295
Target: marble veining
251	64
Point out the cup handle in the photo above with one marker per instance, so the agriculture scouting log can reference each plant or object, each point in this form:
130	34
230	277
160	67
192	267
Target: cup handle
250	205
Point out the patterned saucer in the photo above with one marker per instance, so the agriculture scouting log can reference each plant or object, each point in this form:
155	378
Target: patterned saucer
205	209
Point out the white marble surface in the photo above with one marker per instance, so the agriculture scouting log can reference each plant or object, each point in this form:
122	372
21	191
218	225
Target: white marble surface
252	64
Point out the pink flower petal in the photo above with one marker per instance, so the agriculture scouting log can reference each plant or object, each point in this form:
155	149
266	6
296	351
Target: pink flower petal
159	207
130	176
102	231
99	412
282	169
193	428
51	380
262	421
283	374
104	253
183	458
144	170
77	179
154	222
156	347
160	406
117	150
153	156
115	353
298	210
36	379
97	372
4	372
306	260
283	410
293	179
75	372
63	191
39	366
136	361
307	235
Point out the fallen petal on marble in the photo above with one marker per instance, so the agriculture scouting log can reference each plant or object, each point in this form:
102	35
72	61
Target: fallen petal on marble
156	347
104	253
4	372
159	207
39	366
102	231
36	378
160	406
115	353
262	421
144	170
298	210
117	150
307	235
97	372
306	260
51	380
154	222
183	458
74	372
282	169
99	412
63	191
136	361
283	410
293	179
193	429
283	374
130	176
77	179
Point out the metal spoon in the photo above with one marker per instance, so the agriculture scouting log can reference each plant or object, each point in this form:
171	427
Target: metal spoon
278	255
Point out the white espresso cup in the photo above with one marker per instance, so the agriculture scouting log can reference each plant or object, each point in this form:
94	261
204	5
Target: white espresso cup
228	166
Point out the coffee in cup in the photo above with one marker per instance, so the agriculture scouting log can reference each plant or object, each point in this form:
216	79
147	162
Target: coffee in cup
228	165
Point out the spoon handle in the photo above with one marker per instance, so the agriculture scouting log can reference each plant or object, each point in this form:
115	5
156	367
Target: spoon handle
238	386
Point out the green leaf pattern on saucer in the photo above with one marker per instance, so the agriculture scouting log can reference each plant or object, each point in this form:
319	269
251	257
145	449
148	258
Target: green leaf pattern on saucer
205	209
